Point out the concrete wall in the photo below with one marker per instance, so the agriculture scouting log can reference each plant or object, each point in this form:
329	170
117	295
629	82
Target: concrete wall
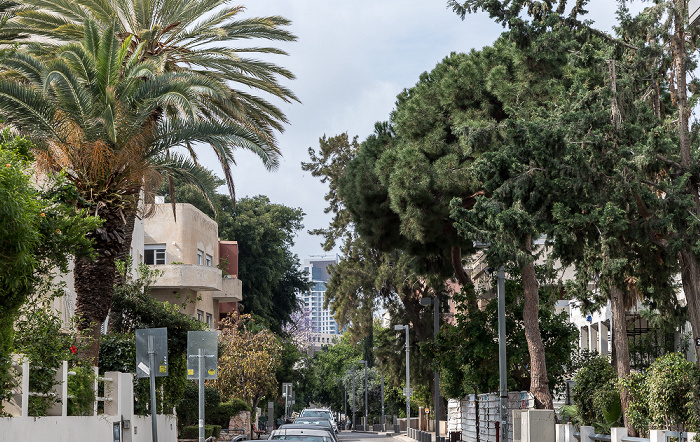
84	428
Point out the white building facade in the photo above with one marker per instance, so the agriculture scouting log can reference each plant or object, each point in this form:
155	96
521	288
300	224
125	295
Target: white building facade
321	319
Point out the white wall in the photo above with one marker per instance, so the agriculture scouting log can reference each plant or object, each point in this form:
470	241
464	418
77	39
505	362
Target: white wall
83	428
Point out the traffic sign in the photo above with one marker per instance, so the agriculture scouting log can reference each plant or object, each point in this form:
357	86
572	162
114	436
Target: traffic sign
158	339
408	392
207	341
697	342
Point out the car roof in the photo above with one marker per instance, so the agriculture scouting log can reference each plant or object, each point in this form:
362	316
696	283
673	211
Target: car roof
309	430
310	426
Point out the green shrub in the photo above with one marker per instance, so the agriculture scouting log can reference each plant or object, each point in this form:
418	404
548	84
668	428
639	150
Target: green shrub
638	410
221	414
192	431
81	387
594	389
674	393
188	408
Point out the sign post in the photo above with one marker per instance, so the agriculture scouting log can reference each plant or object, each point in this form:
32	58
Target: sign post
152	347
202	353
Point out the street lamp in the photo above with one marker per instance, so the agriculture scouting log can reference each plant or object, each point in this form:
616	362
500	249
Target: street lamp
366	426
502	375
382	394
502	350
352	372
345	400
407	391
435	302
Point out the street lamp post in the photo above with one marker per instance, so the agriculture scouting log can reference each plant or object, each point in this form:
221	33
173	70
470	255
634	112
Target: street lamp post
407	390
353	400
366	426
382	389
502	374
435	302
502	351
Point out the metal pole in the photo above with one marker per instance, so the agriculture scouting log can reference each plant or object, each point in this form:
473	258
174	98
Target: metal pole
201	395
436	328
152	376
366	426
502	352
382	391
408	385
353	400
345	401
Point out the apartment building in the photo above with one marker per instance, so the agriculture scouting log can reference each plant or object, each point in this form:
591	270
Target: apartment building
198	272
187	251
322	322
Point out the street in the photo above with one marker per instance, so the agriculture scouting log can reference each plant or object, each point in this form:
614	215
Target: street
349	436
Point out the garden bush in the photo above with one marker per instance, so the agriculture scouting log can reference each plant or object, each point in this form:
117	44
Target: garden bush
221	414
192	431
594	391
674	393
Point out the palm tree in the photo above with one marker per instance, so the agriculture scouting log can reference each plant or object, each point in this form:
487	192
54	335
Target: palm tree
106	117
200	36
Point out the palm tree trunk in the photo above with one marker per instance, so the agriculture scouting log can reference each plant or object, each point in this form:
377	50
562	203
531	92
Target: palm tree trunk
622	352
539	384
94	282
126	245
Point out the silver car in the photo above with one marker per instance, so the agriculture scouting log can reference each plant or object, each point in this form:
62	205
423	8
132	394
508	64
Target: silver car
320	412
326	426
308	434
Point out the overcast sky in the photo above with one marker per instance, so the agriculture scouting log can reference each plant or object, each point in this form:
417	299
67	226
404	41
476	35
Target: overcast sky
351	59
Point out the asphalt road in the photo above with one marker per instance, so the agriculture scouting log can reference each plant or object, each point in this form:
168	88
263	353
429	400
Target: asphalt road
349	436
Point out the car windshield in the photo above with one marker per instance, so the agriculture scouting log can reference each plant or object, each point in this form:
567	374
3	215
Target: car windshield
300	437
315	413
313	420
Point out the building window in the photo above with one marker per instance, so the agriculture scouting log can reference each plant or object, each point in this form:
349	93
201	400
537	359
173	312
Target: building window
200	258
209	261
200	315
154	254
209	319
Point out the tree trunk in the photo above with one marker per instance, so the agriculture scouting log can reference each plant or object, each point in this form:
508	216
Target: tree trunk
622	352
690	268
690	276
94	282
539	384
126	245
462	277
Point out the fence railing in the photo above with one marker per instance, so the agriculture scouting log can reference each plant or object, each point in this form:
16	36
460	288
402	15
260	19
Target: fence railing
59	392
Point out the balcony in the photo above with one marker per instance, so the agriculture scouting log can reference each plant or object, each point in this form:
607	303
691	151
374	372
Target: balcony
231	290
194	277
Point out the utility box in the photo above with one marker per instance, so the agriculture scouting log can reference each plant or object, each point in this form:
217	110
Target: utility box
537	425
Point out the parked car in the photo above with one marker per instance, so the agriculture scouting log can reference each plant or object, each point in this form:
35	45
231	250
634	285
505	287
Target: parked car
320	412
307	434
311	426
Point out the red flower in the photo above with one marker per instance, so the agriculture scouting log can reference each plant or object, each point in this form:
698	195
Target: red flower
73	349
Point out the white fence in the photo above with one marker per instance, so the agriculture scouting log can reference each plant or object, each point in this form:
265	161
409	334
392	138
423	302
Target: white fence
118	414
477	415
567	433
